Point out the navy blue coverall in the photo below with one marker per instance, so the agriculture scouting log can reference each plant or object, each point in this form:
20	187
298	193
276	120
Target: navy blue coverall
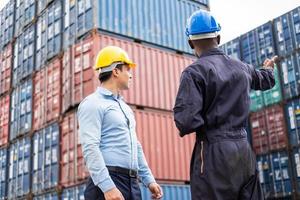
213	101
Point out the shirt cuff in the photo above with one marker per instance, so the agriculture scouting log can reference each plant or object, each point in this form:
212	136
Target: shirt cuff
148	180
106	185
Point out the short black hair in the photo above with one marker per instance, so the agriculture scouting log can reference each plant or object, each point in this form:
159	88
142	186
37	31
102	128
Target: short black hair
106	75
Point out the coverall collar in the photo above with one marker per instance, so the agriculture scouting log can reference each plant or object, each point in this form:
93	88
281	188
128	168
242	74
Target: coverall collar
213	51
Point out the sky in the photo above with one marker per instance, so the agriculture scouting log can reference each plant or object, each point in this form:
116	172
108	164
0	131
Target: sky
240	16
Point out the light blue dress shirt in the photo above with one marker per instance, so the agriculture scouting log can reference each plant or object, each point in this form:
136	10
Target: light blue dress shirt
108	138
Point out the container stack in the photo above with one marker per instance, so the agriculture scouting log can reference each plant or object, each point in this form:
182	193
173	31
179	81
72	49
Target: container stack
274	118
47	52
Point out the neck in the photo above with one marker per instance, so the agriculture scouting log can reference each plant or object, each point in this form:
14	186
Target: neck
111	87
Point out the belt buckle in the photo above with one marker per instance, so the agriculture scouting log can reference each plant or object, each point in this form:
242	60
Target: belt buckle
132	173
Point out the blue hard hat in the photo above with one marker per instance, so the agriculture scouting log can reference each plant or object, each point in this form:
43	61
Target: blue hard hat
201	22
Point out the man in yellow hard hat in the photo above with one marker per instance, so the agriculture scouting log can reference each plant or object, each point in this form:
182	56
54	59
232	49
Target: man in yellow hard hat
113	155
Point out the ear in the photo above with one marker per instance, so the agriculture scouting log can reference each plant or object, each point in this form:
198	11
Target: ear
219	39
191	44
115	72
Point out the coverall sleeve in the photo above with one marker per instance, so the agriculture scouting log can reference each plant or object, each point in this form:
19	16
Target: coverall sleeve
90	120
144	171
262	79
188	105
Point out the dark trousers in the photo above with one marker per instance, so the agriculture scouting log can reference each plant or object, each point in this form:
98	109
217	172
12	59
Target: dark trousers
128	186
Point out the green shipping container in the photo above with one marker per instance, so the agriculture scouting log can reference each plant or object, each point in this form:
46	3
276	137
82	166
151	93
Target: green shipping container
274	95
257	100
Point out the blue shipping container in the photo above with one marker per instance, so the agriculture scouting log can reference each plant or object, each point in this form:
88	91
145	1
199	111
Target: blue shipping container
257	45
49	34
281	174
296	167
292	110
232	48
24	55
287	32
164	24
7	23
264	169
25	13
45	169
74	193
3	178
48	196
290	72
19	165
171	192
41	5
21	111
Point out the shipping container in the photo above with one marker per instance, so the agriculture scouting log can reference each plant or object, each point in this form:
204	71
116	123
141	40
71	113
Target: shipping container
21	111
73	170
268	130
257	45
47	94
47	196
296	167
113	16
293	121
4	119
24	55
5	68
287	32
3	173
25	13
290	73
155	79
159	136
256	100
265	178
171	192
49	34
42	5
281	174
273	95
74	193
7	23
19	168
45	167
232	48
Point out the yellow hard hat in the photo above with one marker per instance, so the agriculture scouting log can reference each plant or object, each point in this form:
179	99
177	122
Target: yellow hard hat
110	56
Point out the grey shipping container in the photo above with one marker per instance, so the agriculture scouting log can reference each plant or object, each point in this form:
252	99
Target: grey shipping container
21	111
287	32
48	34
19	165
163	25
24	55
3	177
7	23
47	196
232	48
45	159
25	13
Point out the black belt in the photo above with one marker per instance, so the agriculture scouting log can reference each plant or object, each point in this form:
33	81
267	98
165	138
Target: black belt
129	172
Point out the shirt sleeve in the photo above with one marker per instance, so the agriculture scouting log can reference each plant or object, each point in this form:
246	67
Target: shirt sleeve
144	171
90	120
262	79
188	105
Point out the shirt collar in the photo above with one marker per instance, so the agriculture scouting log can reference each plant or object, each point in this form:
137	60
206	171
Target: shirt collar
108	93
214	51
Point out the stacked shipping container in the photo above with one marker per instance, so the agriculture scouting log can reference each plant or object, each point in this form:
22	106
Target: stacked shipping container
47	52
274	118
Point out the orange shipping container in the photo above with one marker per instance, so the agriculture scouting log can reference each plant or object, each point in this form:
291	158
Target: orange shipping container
47	94
4	119
5	68
155	80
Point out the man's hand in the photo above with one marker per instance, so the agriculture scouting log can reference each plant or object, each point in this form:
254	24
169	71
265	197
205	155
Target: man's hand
113	194
156	191
269	63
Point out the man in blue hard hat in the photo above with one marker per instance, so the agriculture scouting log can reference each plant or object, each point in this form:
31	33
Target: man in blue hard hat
213	101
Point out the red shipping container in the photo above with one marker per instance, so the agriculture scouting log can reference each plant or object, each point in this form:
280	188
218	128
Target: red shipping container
73	170
167	154
268	130
4	119
155	80
47	94
5	68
